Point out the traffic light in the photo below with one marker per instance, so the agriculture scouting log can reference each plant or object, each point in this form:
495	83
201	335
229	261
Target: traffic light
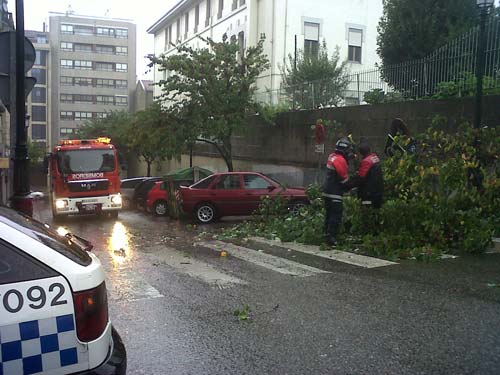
7	45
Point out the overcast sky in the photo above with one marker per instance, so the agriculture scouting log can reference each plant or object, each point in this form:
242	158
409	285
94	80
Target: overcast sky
143	13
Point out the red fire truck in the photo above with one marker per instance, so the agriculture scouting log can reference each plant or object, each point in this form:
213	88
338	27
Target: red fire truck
84	178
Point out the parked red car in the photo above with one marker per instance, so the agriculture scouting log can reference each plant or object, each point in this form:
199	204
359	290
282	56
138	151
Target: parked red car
157	199
235	194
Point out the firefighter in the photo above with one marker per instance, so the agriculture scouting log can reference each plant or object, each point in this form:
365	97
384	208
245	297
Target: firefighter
337	176
370	183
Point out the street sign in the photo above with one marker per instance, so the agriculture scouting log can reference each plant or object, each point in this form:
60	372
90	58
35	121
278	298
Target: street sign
29	83
29	52
319	149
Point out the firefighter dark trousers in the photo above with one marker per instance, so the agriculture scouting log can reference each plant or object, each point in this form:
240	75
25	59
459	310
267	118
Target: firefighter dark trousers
333	217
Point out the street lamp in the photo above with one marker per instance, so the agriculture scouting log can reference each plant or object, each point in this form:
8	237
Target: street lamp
484	6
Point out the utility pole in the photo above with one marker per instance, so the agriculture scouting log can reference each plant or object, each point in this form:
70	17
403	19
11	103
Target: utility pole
21	201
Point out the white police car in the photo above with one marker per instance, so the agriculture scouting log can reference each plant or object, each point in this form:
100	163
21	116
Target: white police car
53	303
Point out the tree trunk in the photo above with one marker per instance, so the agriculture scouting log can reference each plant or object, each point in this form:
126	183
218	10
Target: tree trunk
149	168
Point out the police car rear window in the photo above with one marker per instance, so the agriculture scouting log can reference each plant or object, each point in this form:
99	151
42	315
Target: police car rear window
46	235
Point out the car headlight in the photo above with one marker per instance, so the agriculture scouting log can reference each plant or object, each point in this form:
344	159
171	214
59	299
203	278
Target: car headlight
116	199
61	203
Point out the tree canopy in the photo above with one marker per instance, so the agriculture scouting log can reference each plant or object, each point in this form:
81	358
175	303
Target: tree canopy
209	91
326	73
412	29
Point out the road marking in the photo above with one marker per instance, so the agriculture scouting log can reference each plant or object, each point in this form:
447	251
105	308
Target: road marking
195	268
495	249
124	284
337	255
268	261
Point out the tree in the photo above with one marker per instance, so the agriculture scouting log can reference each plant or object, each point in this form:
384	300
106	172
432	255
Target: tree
152	137
313	80
412	29
115	126
209	91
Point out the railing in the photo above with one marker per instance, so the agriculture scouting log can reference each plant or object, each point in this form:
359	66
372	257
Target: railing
449	71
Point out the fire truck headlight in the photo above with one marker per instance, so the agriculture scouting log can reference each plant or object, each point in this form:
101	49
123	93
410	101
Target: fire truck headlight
116	200
61	204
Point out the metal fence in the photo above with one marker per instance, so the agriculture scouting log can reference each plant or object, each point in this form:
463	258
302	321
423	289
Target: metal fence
448	71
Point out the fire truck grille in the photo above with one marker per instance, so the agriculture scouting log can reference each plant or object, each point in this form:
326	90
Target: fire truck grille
94	185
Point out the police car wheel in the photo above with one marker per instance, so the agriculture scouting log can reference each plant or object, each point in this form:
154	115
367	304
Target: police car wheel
160	208
205	213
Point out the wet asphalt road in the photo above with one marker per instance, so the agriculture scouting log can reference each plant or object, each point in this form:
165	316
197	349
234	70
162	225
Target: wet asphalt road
173	305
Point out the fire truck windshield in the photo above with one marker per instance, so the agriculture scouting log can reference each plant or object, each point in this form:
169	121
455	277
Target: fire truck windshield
77	161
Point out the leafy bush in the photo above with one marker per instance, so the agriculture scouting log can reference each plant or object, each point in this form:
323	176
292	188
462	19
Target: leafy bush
378	96
432	205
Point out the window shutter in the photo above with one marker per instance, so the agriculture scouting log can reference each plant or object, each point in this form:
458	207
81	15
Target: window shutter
311	31
355	37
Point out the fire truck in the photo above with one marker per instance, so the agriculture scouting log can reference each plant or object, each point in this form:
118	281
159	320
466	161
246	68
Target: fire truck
84	178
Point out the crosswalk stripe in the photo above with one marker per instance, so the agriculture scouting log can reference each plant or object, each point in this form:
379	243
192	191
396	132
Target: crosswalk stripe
341	256
268	261
196	268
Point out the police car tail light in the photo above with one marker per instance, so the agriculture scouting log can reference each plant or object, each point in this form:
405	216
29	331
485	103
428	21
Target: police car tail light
91	313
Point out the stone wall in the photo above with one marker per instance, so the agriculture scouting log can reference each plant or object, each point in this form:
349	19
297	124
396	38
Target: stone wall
286	150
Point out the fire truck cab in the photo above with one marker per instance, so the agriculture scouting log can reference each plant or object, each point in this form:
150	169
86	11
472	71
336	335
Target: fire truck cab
84	178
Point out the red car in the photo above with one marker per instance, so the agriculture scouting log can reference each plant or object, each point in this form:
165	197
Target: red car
235	194
157	199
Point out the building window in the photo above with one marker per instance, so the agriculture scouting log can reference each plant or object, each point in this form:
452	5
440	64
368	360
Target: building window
121	100
196	17
38	95
41	58
66	115
105	31
121	33
101	114
221	8
83	30
38	131
242	2
209	11
65	132
66	29
39	113
121	84
40	75
81	81
80	98
170	35
104	49
102	82
66	98
66	46
235	5
83	115
105	99
120	50
107	67
66	81
178	30
67	64
83	47
83	64
121	67
311	39
355	40
186	25
42	39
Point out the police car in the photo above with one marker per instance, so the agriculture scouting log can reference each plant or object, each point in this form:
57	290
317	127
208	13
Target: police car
53	303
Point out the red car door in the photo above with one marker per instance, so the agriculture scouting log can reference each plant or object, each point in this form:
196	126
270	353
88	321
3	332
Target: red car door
257	187
227	195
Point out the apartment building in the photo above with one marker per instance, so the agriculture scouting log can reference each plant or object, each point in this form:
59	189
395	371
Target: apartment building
93	70
38	102
286	25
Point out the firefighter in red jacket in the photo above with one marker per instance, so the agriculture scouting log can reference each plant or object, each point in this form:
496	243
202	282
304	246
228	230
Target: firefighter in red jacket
369	179
337	176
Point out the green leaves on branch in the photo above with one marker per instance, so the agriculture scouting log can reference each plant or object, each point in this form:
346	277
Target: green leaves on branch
209	91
